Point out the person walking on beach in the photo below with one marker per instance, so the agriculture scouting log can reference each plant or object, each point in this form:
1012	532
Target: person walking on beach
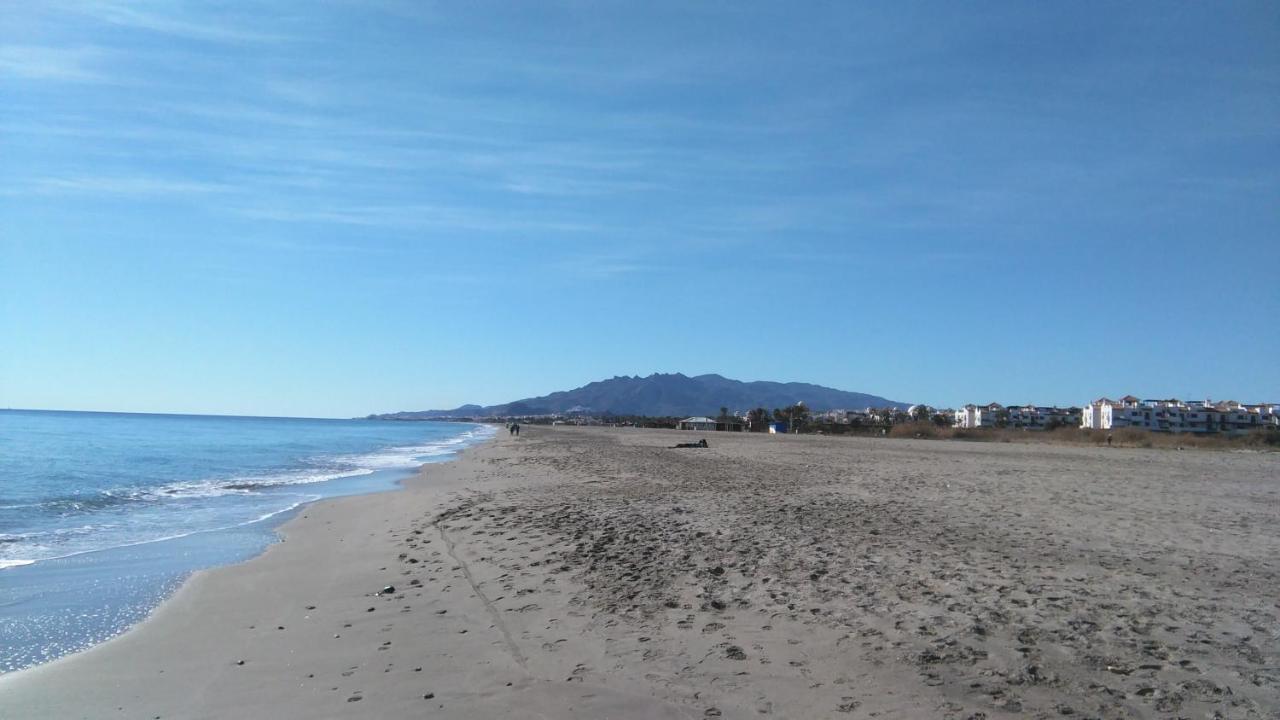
1108	439
515	429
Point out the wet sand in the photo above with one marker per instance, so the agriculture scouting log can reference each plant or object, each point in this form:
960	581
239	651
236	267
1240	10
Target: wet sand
588	573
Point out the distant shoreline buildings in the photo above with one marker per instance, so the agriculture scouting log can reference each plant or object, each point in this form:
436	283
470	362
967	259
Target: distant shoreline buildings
1030	417
1202	417
1195	416
1169	416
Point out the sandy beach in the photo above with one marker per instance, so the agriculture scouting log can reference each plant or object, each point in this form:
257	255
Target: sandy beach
599	573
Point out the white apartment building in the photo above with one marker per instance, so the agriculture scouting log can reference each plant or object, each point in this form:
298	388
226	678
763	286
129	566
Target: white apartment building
1040	417
831	416
1178	416
1268	414
976	416
859	417
1026	417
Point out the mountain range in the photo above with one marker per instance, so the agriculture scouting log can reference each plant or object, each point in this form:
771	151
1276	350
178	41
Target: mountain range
663	394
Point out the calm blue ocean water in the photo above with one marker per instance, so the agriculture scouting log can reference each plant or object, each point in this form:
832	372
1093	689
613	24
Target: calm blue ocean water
103	514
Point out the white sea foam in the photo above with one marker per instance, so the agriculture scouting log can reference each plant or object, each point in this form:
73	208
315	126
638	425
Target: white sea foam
146	541
392	458
69	541
246	484
414	455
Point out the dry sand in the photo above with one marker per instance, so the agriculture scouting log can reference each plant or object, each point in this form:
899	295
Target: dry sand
576	573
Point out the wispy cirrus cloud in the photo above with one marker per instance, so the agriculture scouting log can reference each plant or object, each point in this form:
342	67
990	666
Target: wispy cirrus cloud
122	185
417	216
526	184
37	62
176	19
603	266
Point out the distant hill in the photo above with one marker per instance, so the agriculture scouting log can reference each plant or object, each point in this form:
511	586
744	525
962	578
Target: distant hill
663	395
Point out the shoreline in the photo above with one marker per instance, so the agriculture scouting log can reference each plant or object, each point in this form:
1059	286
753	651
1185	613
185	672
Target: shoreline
146	574
195	595
584	573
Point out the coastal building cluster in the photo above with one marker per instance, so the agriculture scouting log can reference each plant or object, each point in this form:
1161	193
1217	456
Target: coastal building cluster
1030	417
1169	416
1194	416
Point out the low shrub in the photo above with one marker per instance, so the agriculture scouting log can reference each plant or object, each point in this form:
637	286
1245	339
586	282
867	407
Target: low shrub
925	430
1267	439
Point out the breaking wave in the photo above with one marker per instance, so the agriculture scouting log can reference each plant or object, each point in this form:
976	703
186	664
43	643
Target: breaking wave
88	520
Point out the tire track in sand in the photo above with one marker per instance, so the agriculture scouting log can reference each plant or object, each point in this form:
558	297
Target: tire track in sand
512	649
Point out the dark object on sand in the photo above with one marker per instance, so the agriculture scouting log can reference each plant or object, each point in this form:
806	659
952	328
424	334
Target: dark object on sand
700	444
388	590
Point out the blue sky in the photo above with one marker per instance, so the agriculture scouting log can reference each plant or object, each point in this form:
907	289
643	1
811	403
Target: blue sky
339	208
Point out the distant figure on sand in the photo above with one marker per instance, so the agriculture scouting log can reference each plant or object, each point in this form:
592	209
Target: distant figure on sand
700	444
1108	439
515	429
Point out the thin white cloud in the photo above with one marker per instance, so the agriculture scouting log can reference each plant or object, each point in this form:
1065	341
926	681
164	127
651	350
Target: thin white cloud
211	28
34	62
420	11
309	93
566	187
253	114
602	266
416	216
124	185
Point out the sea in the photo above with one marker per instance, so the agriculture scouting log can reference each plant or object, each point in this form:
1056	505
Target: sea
102	515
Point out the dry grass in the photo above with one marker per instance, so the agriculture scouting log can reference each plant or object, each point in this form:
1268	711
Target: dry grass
1125	437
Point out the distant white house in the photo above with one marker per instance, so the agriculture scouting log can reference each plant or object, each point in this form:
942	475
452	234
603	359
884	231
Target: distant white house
976	416
1041	417
831	416
696	423
1106	414
1174	415
1027	417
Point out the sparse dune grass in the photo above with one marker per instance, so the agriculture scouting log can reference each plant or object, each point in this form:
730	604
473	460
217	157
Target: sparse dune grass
1123	437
